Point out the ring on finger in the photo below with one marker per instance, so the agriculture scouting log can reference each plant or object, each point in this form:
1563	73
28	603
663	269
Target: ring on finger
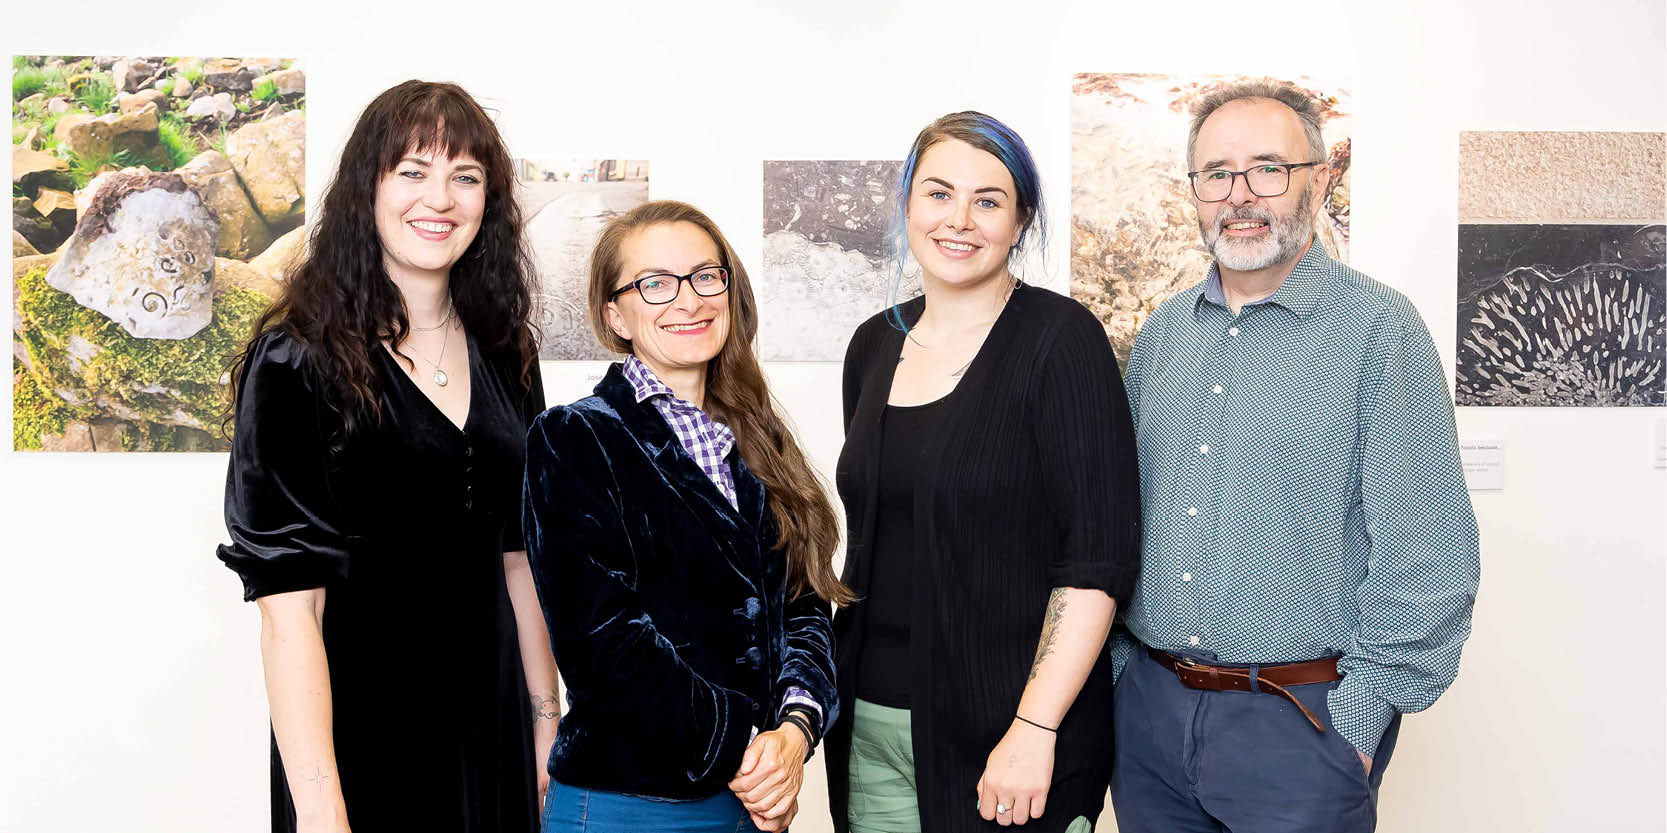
1002	809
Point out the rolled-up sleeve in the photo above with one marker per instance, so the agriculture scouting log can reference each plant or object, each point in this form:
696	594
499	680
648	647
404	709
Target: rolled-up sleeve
285	527
1085	439
1424	563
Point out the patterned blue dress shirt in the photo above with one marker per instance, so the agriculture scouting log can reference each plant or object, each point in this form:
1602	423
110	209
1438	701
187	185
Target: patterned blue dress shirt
1302	491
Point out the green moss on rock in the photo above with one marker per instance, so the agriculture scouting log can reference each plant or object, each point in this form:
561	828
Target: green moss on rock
35	411
156	383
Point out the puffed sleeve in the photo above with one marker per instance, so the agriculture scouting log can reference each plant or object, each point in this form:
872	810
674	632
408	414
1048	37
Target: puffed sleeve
530	406
1085	441
611	655
284	524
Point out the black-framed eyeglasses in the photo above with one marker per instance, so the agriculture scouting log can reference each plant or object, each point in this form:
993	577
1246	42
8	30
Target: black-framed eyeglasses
1267	180
663	289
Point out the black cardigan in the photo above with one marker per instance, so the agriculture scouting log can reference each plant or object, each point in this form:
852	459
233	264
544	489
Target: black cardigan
667	608
1029	485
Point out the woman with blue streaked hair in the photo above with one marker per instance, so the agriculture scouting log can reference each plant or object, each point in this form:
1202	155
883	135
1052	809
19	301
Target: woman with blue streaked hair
990	492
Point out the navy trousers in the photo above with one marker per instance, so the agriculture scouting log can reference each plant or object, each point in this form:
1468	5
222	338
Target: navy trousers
1190	761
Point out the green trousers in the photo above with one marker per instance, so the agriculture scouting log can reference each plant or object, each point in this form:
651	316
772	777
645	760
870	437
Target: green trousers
882	774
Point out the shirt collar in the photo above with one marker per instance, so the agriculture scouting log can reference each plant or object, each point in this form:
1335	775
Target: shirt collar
1301	292
644	384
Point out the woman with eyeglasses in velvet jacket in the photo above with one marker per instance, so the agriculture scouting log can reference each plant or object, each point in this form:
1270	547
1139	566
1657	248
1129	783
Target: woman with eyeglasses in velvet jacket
681	545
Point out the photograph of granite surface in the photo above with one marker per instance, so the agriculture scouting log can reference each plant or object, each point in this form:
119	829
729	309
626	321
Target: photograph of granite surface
156	203
1134	232
566	203
827	255
1562	259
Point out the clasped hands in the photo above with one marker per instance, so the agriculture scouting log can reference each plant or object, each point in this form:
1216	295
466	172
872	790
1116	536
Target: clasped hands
771	773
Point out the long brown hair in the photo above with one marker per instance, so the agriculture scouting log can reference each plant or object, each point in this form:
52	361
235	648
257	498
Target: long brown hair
737	396
338	300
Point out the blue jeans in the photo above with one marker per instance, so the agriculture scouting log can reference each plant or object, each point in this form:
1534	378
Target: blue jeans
574	810
1190	761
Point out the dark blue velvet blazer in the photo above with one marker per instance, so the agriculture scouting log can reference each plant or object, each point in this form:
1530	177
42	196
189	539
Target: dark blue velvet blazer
668	608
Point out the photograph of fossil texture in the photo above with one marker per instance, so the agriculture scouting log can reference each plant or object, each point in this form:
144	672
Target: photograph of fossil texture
155	205
566	203
1560	272
1134	233
827	255
1561	315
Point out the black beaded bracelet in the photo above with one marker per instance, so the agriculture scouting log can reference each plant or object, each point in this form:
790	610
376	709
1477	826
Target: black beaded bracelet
1037	725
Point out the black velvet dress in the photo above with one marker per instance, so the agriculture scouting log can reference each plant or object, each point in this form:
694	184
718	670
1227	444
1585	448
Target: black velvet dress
405	527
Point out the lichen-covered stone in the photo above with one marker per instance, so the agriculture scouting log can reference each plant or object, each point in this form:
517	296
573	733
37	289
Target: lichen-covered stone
243	232
143	255
270	158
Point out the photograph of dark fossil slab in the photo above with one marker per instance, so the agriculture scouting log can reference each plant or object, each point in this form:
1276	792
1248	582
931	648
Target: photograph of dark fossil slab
1562	315
827	255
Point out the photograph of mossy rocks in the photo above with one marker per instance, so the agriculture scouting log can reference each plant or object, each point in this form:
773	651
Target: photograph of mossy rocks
156	203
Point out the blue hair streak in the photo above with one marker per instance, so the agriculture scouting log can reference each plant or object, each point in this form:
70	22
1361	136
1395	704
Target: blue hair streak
991	136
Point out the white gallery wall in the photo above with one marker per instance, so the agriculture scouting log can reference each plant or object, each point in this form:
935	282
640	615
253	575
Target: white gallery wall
130	687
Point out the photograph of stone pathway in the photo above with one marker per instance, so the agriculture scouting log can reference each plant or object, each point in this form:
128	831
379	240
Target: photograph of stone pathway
156	203
566	203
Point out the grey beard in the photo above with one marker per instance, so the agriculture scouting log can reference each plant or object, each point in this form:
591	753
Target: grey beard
1288	235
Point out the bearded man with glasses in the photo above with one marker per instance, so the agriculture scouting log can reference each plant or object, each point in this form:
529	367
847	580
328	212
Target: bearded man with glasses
1310	557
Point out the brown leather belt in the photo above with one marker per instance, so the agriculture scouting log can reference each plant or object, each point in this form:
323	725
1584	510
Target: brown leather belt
1270	679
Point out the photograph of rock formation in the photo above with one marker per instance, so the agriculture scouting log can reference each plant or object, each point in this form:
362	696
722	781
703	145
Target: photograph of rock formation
566	203
1562	269
1134	232
1562	315
155	205
827	255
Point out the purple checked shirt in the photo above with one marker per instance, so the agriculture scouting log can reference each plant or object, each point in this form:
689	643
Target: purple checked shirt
708	443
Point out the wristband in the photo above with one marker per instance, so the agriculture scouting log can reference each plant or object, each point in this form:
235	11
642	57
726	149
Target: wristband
810	737
1037	725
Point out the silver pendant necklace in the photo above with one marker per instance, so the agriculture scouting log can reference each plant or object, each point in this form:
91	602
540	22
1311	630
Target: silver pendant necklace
440	377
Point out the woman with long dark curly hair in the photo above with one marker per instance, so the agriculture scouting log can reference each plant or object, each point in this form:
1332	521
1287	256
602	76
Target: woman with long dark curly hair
380	411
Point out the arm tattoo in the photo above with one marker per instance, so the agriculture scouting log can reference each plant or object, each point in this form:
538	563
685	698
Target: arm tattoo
1050	629
546	707
318	778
